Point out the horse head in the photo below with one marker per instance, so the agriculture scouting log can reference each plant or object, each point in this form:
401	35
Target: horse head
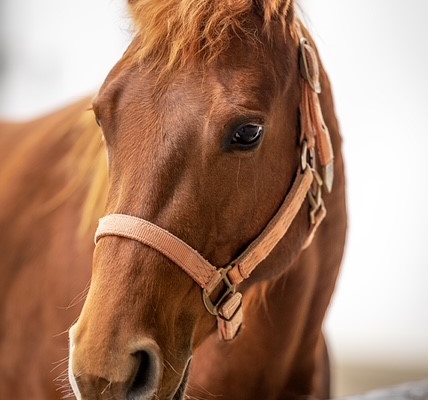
201	123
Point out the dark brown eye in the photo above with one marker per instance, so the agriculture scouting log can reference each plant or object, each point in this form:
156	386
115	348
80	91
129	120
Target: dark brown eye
247	136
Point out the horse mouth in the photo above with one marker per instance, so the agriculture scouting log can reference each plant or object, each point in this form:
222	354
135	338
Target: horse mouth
179	394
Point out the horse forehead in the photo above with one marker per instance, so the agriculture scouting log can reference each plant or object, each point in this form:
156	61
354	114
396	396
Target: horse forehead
193	93
220	88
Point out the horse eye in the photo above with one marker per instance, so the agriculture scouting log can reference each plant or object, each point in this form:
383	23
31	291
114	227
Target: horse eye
247	135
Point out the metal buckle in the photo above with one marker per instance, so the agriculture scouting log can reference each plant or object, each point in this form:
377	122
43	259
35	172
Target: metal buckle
307	157
315	201
230	288
315	196
304	66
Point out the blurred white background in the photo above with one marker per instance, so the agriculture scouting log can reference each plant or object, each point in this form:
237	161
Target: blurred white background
54	51
376	52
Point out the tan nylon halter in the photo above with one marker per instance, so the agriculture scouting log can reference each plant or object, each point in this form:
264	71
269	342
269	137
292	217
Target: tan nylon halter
227	304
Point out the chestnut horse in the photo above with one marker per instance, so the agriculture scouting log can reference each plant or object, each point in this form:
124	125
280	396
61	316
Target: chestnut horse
223	230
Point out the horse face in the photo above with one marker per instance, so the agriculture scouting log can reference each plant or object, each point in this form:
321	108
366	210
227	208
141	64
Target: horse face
207	153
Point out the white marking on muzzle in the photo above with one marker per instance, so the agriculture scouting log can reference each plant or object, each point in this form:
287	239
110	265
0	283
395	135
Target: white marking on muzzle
71	377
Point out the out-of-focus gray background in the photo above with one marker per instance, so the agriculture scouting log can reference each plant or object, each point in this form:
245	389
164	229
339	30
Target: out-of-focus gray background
376	52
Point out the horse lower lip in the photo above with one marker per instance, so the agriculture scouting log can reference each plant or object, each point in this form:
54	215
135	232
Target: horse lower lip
179	394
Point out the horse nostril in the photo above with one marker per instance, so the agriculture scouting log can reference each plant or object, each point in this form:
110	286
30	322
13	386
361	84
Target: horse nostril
142	376
146	377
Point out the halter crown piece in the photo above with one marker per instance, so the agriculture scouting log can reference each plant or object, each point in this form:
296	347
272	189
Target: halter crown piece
219	285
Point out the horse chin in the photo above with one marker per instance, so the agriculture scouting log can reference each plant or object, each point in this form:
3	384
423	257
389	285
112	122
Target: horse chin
179	394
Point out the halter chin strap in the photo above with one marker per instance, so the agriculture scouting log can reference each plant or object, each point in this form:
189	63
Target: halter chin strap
219	285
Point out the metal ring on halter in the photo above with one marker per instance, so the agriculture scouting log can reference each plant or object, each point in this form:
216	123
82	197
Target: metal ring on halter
230	288
307	157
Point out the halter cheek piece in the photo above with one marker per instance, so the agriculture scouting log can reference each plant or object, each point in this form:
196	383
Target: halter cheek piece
219	293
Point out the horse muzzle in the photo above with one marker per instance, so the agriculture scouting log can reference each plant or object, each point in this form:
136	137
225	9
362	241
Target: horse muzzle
135	376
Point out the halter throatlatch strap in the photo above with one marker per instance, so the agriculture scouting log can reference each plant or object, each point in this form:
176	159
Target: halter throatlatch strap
219	284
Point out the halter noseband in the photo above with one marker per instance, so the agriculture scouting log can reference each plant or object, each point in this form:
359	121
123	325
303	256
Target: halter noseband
219	285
